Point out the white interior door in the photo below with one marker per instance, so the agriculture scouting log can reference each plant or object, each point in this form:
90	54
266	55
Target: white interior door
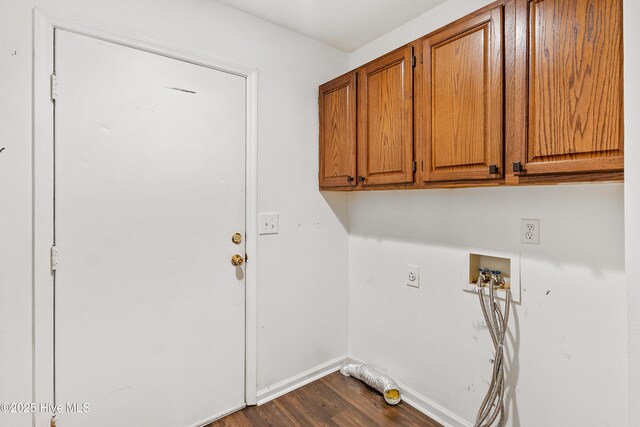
149	189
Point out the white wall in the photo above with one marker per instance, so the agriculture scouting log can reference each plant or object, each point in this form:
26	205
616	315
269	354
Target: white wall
570	343
632	199
568	334
302	303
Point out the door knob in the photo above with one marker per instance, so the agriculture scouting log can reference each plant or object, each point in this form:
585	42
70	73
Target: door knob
237	260
236	238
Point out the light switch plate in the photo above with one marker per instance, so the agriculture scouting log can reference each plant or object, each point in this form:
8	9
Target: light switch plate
530	231
413	276
268	223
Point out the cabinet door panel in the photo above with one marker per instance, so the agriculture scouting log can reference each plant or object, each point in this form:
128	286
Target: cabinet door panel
462	100
574	91
385	119
337	106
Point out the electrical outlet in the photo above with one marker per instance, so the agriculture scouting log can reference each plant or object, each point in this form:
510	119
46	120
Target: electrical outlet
530	231
268	223
413	276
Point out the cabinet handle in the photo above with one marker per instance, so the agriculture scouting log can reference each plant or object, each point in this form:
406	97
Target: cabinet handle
517	167
361	178
350	178
493	169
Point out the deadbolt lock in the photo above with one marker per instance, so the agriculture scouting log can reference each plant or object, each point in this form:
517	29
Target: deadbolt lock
236	238
237	260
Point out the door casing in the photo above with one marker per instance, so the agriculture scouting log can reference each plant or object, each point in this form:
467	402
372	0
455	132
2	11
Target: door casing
44	24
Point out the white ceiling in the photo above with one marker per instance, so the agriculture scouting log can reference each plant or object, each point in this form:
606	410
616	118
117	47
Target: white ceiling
345	24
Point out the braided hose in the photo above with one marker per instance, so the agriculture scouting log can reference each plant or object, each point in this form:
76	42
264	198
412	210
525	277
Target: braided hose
497	323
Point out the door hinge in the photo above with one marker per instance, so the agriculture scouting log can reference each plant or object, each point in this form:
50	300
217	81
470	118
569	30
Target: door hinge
413	62
54	258
414	166
54	87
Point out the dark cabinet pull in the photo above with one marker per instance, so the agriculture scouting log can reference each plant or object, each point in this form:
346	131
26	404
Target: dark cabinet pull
361	178
493	169
517	167
349	178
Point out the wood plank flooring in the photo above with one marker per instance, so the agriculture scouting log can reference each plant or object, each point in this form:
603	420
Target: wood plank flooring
334	400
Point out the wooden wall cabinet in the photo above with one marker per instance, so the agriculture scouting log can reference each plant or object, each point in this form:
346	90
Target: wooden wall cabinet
564	105
337	107
461	100
385	119
519	92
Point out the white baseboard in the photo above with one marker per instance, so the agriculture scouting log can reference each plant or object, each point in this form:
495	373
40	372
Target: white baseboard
431	408
297	381
409	396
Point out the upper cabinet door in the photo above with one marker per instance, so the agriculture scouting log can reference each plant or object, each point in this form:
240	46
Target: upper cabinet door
461	103
571	120
337	105
385	119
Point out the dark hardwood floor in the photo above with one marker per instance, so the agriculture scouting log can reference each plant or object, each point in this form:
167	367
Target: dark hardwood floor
334	400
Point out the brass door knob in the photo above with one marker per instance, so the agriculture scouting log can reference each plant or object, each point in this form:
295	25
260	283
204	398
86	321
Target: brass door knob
236	238
237	260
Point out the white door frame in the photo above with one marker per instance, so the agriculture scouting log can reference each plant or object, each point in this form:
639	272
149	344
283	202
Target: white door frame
44	24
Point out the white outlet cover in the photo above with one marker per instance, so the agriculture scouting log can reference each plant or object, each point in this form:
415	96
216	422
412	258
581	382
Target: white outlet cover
268	223
530	231
413	276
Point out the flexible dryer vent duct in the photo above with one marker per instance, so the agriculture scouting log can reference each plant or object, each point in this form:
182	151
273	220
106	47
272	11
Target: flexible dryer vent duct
379	381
